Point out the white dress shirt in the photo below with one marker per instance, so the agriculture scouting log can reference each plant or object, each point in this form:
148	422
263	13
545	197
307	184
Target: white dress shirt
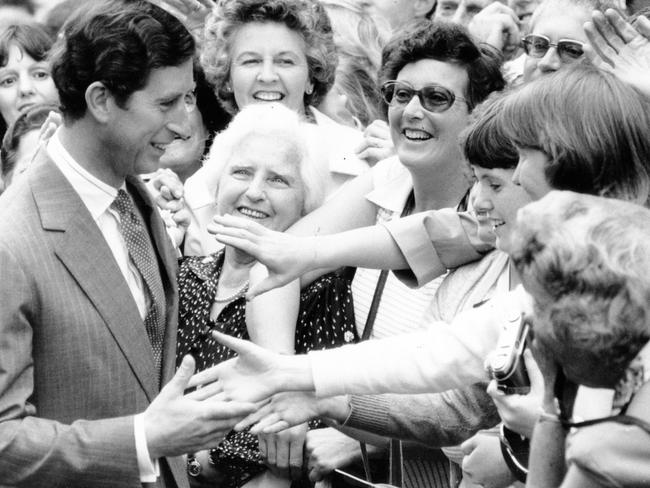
97	196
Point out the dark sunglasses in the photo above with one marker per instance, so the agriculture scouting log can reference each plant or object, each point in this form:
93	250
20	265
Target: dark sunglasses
433	98
537	47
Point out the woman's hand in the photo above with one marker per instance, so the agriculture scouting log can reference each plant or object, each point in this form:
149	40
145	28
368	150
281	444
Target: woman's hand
619	47
192	13
49	127
286	257
293	408
283	452
549	369
284	411
483	463
498	26
520	412
327	450
167	190
255	374
377	143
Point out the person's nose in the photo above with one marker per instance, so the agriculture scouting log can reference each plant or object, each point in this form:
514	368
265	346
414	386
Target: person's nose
550	62
516	174
25	85
179	123
267	72
482	204
414	109
256	190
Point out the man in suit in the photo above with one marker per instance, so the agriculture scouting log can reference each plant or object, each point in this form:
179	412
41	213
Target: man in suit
88	299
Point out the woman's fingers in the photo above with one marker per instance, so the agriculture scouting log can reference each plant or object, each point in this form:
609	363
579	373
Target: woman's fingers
607	31
620	26
598	46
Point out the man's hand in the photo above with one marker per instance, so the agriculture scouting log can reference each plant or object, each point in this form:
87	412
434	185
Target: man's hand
255	374
498	26
618	47
285	256
520	412
176	423
377	143
283	452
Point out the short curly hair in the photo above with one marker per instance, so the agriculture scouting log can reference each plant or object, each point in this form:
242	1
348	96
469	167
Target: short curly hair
306	17
585	260
447	42
283	125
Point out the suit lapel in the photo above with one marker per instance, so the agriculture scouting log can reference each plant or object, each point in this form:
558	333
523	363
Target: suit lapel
81	247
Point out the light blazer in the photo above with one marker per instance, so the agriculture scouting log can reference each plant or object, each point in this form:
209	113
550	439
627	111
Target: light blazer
75	359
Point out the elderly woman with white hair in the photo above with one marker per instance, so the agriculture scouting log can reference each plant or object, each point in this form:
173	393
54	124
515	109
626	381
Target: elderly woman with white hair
263	168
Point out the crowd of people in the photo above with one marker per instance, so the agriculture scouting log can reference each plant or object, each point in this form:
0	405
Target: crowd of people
284	243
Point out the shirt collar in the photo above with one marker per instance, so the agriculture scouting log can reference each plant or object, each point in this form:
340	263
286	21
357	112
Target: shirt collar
96	195
392	193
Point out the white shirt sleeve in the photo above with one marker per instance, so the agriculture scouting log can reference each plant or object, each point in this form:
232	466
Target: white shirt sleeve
149	468
443	357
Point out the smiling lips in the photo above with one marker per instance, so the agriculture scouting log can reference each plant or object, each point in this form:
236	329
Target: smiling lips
252	213
416	135
268	96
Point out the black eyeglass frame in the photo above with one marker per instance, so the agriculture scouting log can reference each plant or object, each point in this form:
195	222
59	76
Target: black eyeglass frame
388	95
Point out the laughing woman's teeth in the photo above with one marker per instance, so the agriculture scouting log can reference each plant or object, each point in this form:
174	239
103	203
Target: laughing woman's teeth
269	96
417	135
249	212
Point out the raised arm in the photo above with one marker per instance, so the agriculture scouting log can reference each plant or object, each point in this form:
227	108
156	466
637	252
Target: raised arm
426	244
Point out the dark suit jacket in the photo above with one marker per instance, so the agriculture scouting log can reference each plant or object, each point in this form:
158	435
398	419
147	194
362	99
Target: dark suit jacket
75	361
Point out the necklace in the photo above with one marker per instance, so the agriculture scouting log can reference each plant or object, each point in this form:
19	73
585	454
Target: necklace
231	297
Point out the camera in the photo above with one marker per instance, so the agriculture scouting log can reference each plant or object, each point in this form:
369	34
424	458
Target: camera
506	363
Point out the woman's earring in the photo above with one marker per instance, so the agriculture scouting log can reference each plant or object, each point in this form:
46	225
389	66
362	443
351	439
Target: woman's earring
309	90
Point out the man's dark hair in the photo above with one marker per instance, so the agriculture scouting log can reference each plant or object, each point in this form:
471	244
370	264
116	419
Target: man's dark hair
117	43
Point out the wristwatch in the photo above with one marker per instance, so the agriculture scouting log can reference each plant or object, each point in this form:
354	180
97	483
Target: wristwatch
194	467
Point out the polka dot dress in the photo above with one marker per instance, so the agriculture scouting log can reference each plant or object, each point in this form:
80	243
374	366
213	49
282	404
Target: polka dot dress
325	320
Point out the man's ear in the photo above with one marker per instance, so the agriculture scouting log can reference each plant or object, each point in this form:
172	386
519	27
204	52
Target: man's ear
423	7
99	101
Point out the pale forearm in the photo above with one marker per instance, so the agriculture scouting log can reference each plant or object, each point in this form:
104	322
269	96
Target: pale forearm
366	247
271	317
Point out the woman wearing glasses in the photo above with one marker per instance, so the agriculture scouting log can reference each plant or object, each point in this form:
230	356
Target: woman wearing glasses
433	76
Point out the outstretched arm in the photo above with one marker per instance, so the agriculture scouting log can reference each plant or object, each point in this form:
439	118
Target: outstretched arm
443	357
428	243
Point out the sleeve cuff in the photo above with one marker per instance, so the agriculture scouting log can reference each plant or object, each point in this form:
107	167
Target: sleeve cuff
368	412
149	469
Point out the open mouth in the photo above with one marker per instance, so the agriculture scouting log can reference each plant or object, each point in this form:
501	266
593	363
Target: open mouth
252	213
267	96
416	135
497	223
160	147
